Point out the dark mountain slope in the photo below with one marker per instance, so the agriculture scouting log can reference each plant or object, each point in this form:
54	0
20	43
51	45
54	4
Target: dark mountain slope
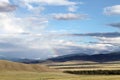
115	56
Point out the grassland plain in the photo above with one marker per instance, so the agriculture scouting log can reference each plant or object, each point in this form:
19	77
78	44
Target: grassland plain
19	71
14	66
18	75
75	66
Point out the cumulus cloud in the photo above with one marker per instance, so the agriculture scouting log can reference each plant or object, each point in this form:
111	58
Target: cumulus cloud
8	24
20	46
11	24
112	10
14	37
69	16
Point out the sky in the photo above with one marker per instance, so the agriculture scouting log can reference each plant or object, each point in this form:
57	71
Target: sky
42	29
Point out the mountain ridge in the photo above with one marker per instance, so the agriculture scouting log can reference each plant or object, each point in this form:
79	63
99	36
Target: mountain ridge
114	56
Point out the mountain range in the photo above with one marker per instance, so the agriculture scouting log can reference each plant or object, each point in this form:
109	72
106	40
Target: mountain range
114	56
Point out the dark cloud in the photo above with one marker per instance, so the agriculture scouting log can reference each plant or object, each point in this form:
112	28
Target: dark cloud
117	25
109	34
6	7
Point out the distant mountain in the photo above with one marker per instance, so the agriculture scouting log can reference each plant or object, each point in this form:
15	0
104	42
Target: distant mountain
115	56
21	60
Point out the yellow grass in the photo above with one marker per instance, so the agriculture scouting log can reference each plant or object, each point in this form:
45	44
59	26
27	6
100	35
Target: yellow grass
18	71
52	76
13	66
86	66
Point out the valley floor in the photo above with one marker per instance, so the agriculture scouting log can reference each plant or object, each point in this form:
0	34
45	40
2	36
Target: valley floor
13	75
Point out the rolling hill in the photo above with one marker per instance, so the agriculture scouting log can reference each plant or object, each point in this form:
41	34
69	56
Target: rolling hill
14	66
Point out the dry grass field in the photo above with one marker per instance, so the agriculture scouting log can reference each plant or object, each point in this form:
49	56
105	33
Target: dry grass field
72	66
13	75
14	66
19	71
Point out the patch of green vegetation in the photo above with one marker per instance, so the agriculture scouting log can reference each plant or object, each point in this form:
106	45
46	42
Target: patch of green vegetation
95	72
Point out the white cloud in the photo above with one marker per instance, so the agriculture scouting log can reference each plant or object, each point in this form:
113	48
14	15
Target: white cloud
13	27
69	16
52	2
6	1
112	10
34	24
113	41
9	24
41	3
72	8
44	44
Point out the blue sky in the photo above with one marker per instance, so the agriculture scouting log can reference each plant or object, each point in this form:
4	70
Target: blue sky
96	21
50	28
